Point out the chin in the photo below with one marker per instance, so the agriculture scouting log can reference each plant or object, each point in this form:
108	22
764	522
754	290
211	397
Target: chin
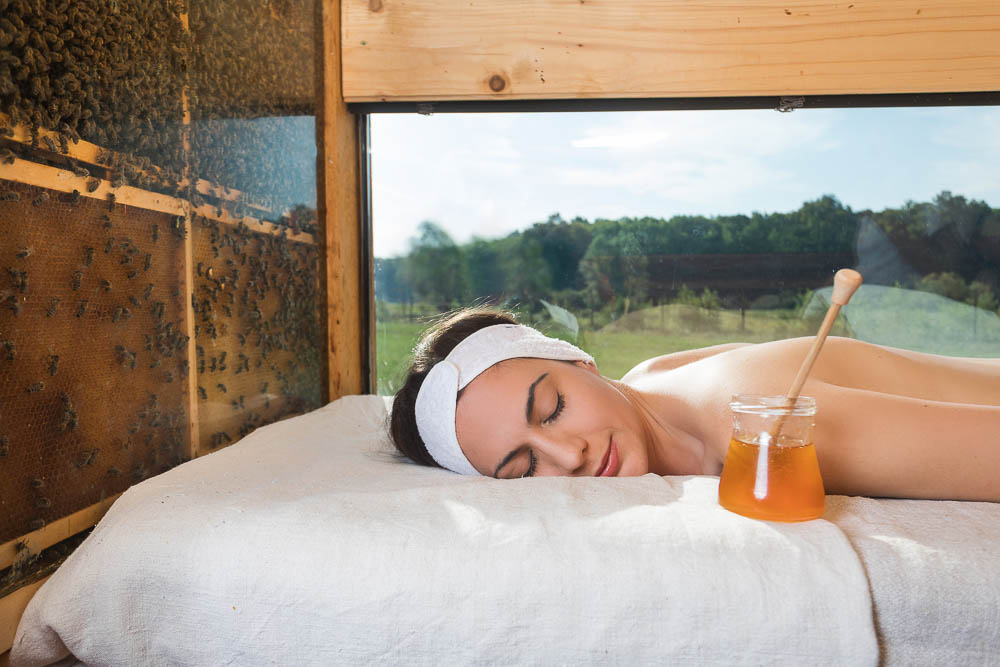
632	468
634	464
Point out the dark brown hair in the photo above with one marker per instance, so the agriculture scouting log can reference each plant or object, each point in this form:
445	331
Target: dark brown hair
434	346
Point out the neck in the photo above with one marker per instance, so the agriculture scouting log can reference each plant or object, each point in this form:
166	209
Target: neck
674	448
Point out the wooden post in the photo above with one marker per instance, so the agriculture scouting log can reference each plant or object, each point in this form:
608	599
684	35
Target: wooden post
337	178
187	273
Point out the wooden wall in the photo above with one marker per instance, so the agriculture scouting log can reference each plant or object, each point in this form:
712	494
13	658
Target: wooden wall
431	50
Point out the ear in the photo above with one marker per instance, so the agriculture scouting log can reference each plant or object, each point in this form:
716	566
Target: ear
590	366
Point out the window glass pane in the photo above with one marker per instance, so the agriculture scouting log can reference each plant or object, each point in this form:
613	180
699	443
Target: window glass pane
641	233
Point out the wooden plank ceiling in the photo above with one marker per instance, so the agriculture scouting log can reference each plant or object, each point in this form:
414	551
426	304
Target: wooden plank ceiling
406	50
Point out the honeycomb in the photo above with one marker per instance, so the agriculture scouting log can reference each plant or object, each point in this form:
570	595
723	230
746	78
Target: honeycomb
92	352
207	103
256	302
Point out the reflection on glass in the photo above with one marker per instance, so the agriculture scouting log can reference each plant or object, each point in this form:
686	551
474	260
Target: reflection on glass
687	229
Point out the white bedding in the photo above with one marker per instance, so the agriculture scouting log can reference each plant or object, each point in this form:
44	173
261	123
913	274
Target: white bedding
308	543
934	572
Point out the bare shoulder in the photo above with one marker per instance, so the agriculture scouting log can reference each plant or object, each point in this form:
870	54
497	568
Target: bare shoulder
666	362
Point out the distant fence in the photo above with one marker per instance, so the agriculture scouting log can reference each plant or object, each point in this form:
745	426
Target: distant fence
750	274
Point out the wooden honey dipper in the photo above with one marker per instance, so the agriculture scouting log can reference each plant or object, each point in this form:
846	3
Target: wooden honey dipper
845	283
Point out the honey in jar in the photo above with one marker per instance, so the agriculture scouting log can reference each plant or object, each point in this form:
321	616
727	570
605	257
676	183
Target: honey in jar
772	480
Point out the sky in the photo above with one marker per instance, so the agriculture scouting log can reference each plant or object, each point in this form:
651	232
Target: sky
487	175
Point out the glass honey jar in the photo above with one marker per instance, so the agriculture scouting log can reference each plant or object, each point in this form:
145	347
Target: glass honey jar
771	470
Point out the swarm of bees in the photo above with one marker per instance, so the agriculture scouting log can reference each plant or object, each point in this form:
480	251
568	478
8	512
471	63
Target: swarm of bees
231	82
67	68
121	84
115	73
263	291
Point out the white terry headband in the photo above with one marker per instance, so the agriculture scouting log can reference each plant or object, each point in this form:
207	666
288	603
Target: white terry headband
438	395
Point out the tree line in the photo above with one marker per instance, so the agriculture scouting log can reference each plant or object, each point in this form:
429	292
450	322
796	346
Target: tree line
950	246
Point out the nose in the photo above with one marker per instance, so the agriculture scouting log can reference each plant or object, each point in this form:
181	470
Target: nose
567	454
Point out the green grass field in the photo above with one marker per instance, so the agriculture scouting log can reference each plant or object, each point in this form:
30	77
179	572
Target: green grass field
646	333
394	341
618	346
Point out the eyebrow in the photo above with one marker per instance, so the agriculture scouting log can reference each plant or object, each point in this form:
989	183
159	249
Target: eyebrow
529	406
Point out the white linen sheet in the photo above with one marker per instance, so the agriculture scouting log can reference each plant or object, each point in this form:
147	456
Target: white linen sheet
934	573
308	543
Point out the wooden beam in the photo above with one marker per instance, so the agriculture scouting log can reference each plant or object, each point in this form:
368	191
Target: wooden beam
11	609
87	153
57	531
187	274
63	180
188	287
552	49
338	214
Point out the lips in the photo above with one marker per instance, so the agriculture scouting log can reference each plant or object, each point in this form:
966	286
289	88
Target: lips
609	464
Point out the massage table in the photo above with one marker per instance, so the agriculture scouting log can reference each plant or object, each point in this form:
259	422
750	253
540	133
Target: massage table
311	542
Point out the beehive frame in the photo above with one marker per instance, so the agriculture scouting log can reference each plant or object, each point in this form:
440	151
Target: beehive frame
203	220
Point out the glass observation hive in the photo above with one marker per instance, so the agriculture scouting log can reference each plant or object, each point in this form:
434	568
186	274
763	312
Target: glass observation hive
159	267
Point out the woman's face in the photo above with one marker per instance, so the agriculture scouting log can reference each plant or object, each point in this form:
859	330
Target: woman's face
541	417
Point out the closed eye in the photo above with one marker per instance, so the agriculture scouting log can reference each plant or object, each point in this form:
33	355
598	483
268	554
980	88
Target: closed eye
532	461
560	404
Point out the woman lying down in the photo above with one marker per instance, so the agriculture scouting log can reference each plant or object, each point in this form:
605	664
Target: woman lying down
488	396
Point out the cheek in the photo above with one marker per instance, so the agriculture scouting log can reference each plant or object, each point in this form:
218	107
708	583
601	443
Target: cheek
636	461
618	411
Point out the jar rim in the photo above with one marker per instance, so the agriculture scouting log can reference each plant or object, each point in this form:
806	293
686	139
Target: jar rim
772	405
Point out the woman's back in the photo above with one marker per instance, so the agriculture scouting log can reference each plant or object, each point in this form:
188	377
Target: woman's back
852	363
769	368
889	422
